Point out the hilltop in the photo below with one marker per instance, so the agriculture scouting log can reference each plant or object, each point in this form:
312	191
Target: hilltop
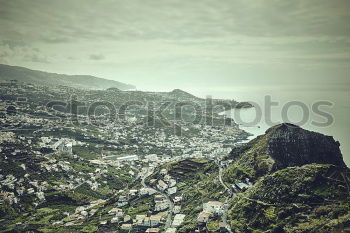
282	146
52	79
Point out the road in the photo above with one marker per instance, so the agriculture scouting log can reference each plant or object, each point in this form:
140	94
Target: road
170	203
222	182
228	198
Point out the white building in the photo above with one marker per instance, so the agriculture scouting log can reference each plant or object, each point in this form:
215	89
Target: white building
172	190
128	158
162	185
203	217
178	219
214	207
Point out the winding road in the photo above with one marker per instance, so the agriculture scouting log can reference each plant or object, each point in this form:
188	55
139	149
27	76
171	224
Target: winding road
170	203
228	198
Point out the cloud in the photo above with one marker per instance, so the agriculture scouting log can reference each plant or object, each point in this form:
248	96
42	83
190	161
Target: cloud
36	58
56	40
14	51
194	36
12	44
96	57
64	21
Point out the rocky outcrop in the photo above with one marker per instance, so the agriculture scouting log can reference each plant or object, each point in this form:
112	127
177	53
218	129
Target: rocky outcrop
289	146
282	146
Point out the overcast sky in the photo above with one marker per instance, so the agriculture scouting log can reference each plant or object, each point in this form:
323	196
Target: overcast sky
166	44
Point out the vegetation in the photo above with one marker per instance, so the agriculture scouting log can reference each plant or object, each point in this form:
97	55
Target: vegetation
198	183
303	198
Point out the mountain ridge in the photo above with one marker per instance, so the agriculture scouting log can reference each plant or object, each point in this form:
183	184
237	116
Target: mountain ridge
23	74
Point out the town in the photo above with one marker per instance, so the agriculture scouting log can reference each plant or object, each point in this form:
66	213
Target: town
103	167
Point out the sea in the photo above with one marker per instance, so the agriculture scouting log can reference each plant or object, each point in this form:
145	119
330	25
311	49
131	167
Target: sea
321	110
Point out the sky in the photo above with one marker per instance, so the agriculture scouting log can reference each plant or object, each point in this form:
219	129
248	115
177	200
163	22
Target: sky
166	44
241	49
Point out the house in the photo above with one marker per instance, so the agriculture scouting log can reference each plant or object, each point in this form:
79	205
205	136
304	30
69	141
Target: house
122	201
176	209
222	227
152	181
140	219
177	199
147	191
242	186
103	222
92	212
172	190
97	202
151	157
167	178
40	195
63	146
152	221
160	206
153	230
114	219
133	192
146	222
84	213
116	211
172	183
178	219
235	188
214	207
162	185
127	218
155	220
126	227
158	198
30	191
143	191
127	158
203	217
171	230
80	209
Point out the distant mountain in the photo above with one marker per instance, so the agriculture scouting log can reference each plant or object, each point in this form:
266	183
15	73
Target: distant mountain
182	94
52	79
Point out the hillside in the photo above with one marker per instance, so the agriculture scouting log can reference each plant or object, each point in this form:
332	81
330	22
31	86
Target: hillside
197	182
51	79
287	180
310	198
301	183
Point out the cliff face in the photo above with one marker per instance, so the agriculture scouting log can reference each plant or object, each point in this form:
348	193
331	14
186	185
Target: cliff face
282	146
290	145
